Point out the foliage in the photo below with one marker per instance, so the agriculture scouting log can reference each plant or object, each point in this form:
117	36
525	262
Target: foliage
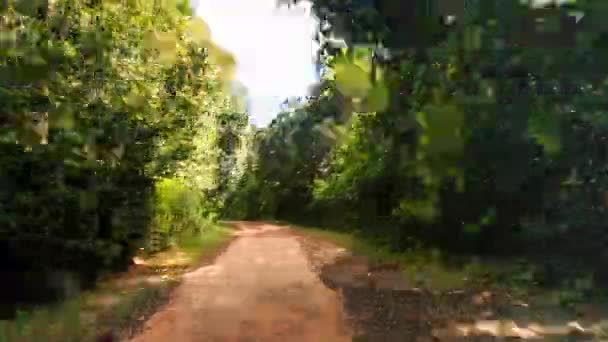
89	313
178	208
109	118
486	137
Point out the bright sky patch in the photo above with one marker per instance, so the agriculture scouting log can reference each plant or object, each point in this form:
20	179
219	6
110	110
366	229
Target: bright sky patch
274	49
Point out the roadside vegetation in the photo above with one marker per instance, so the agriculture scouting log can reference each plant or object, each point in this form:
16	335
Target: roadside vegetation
468	144
121	302
113	120
471	147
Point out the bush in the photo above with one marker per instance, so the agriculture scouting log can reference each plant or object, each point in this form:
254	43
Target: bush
178	209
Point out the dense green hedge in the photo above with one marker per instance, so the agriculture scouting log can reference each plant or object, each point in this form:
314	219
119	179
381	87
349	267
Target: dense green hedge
105	105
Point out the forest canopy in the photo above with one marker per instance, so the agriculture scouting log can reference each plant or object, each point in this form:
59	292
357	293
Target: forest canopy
478	130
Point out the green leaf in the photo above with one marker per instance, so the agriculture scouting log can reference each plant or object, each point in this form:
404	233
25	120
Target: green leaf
31	7
472	37
135	99
378	98
165	43
444	124
184	8
199	30
546	130
8	39
489	218
62	117
88	199
352	80
471	228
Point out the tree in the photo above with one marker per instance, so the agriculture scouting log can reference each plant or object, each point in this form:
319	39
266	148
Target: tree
102	102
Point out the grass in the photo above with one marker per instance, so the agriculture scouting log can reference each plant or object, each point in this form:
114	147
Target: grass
341	239
509	279
119	303
426	268
376	253
417	265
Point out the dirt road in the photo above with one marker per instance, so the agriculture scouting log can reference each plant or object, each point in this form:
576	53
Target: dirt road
262	288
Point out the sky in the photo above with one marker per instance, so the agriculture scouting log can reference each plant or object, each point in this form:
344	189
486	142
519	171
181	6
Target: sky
273	47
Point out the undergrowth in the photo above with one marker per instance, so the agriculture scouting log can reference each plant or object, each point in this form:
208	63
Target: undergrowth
83	317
